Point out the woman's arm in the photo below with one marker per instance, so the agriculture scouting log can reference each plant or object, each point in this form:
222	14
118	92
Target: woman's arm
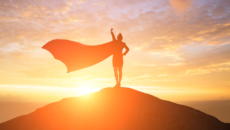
126	49
114	39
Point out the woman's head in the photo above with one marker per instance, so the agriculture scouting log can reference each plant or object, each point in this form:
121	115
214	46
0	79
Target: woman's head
119	37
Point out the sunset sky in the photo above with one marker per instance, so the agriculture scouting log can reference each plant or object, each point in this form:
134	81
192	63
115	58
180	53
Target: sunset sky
179	50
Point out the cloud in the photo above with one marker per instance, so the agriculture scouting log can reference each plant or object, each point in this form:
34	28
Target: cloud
149	29
181	6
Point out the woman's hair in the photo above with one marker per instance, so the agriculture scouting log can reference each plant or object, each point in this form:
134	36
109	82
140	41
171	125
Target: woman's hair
120	37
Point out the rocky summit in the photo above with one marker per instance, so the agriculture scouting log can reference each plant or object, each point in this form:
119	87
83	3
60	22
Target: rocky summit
115	109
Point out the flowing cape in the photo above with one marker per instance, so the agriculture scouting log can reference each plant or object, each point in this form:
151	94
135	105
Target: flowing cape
76	55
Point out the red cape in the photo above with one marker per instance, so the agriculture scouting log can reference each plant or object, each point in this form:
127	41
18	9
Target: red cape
76	55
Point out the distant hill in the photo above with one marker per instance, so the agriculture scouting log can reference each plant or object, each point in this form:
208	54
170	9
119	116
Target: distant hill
115	109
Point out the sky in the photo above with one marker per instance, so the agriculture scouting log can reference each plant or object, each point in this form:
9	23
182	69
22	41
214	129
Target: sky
179	49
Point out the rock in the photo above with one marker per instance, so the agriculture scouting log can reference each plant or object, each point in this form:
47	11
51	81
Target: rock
115	109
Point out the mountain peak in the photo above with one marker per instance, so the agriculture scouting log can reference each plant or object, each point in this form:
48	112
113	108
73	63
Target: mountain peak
115	109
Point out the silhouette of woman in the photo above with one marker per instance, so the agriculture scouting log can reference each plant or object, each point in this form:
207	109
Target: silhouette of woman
118	57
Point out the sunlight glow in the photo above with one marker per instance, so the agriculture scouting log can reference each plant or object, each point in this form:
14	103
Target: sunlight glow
85	88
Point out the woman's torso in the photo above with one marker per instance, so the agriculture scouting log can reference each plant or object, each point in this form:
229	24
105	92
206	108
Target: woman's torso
118	47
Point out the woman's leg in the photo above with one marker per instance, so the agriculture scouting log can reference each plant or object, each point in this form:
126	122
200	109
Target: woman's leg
115	74
120	75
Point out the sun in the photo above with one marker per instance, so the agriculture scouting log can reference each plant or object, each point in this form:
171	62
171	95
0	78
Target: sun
85	89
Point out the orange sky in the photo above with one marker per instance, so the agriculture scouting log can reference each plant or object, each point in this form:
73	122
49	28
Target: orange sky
179	50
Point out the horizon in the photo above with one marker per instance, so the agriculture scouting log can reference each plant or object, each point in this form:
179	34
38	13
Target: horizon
47	94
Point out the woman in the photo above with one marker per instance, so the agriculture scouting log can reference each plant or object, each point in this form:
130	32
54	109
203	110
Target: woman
118	57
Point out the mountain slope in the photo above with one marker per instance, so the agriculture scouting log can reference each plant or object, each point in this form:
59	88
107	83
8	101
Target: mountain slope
115	109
